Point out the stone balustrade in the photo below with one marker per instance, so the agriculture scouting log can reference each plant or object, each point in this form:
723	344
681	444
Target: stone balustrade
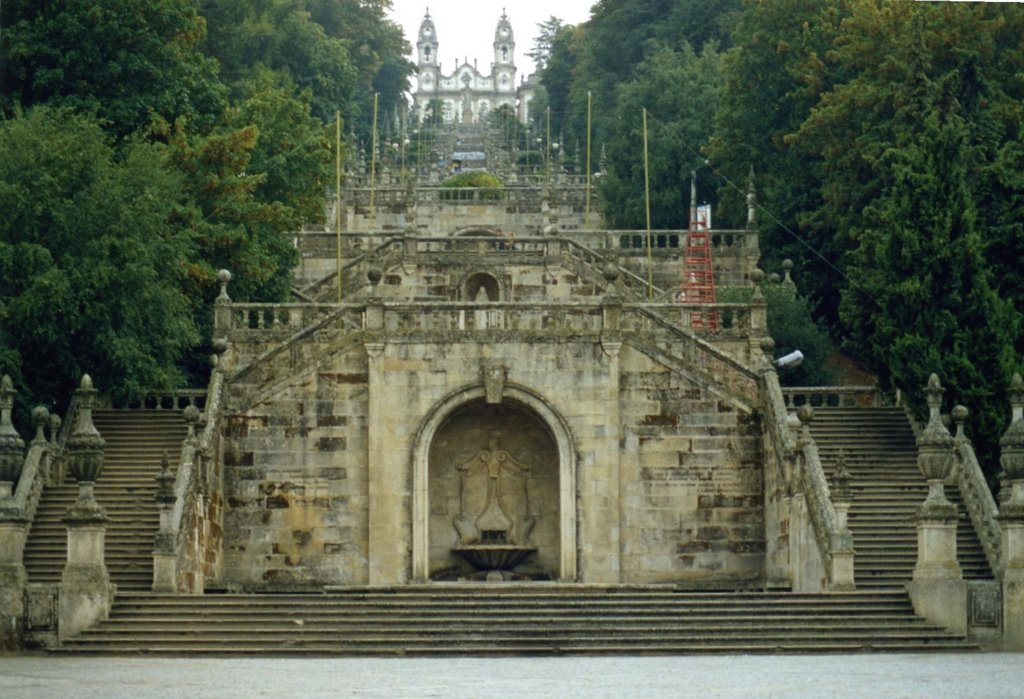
180	560
276	318
168	400
834	397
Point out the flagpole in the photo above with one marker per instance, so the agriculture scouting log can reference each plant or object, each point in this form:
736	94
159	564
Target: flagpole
586	214
647	211
337	193
373	157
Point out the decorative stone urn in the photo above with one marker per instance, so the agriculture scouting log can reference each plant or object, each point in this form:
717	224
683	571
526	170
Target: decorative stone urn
1012	451
84	449
12	446
935	456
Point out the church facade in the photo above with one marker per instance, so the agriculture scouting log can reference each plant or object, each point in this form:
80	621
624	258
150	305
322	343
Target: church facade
467	95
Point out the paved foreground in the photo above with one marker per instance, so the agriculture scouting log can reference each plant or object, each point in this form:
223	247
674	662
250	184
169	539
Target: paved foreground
952	675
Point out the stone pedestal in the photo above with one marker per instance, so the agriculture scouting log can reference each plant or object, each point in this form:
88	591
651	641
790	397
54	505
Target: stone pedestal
1011	517
1013	582
13	581
840	572
86	593
938	591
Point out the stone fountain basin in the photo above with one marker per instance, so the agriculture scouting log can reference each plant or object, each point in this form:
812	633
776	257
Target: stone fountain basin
494	556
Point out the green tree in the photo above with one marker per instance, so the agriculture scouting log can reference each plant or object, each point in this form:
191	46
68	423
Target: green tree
791	326
292	155
122	61
91	263
679	90
280	35
902	159
773	76
544	42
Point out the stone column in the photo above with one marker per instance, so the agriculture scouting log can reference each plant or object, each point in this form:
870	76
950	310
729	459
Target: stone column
602	518
758	318
388	541
12	525
165	554
222	306
841	573
86	593
938	590
1011	519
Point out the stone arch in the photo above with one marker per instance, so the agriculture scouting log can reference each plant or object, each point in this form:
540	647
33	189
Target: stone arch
521	399
476	281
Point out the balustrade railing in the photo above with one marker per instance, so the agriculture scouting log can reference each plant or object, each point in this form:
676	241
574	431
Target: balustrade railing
168	400
353	270
834	397
196	479
980	505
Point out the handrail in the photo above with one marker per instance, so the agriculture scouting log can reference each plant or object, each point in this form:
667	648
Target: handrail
315	289
819	502
980	504
191	481
830	539
636	284
703	346
782	438
33	478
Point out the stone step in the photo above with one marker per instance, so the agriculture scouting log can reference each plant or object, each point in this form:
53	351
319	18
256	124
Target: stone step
518	619
136	442
881	454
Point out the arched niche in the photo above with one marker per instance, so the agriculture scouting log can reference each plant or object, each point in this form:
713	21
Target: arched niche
464	422
481	280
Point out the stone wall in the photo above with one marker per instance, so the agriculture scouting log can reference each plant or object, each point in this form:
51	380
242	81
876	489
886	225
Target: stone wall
295	482
693	505
642	478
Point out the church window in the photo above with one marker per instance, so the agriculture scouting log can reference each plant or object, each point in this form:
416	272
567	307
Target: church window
504	54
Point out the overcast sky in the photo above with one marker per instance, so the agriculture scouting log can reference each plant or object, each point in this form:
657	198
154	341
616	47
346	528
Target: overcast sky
466	29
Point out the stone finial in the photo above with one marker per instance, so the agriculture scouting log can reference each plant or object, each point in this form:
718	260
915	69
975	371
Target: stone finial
223	278
1012	442
12	446
757	277
774	278
191	416
805	413
787	271
54	424
40	418
610	272
165	482
374	275
842	489
767	345
935	454
959	415
85	445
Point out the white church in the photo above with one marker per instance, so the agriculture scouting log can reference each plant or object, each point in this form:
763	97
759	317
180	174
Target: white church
467	95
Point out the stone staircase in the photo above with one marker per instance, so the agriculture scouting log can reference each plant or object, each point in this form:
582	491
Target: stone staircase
136	441
523	619
881	455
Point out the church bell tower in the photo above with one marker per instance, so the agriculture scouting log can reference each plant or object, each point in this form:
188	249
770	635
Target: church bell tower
504	69
428	71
